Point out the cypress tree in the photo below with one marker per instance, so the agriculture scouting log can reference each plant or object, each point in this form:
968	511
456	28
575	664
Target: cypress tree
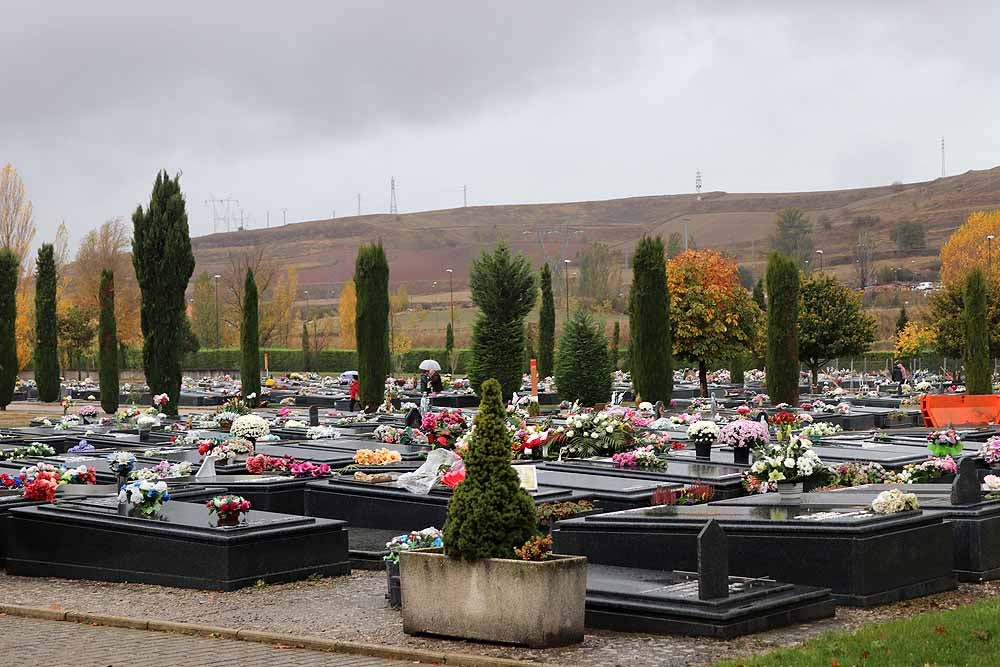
546	325
163	261
449	346
758	295
250	341
489	514
583	368
108	343
371	280
503	287
782	329
9	267
737	368
306	349
529	347
902	320
46	326
977	338
651	349
613	352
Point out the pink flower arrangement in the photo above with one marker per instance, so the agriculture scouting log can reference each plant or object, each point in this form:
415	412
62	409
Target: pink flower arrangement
262	463
308	469
743	410
444	428
991	450
160	400
744	433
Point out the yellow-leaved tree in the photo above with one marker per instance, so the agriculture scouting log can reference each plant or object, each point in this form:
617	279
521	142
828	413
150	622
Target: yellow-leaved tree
914	339
969	247
17	231
346	315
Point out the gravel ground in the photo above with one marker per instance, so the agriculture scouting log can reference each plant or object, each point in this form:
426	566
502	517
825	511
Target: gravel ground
352	608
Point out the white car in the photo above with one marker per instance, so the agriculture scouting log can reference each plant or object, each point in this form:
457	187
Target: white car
923	287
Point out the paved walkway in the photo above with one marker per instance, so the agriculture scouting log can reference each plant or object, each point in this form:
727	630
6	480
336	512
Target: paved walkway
42	643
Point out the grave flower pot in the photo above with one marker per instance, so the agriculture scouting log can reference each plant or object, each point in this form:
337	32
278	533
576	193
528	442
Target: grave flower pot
741	455
790	492
703	449
393	593
534	603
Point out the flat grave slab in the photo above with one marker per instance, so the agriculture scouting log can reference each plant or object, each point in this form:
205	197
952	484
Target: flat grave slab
612	492
636	600
886	456
864	559
727	480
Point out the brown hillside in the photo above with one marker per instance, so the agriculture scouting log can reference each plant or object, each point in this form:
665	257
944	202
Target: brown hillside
421	245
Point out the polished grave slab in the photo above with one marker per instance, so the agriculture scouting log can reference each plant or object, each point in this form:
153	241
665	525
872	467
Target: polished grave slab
182	546
727	480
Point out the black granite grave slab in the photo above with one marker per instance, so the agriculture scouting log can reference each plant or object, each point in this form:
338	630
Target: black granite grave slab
727	480
864	559
182	547
613	492
887	457
635	600
271	493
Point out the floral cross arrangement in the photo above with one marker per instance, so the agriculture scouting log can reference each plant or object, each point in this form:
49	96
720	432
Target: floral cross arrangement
642	457
144	496
228	507
893	502
944	443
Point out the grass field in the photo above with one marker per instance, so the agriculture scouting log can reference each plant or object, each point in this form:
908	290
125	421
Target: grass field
965	637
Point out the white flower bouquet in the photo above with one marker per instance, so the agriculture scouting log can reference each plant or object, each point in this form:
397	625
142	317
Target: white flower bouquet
144	496
703	431
250	427
894	501
790	461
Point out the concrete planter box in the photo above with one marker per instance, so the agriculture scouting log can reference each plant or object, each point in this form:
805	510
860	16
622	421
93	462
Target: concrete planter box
538	604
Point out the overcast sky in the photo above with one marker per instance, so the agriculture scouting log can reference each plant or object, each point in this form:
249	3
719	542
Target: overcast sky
302	105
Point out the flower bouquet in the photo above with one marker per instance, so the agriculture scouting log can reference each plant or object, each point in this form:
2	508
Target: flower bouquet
428	538
66	403
820	430
990	451
229	449
703	434
80	448
922	473
783	423
79	475
121	464
643	457
261	463
991	484
444	428
229	509
378	457
856	474
143	497
393	435
894	501
11	482
692	494
164	470
789	464
42	487
87	412
944	443
592	434
308	469
250	427
34	449
743	435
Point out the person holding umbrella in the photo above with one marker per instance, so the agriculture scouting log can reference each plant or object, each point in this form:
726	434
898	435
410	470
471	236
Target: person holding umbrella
430	381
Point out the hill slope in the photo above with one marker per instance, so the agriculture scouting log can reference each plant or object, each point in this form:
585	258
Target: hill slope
421	245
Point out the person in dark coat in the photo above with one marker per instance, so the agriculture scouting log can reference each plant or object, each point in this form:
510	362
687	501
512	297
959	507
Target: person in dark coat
897	372
434	383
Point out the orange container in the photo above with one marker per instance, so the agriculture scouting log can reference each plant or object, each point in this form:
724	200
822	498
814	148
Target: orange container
959	410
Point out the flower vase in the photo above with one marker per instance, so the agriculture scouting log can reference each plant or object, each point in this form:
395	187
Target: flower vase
394	592
790	492
229	520
225	424
741	455
703	449
121	479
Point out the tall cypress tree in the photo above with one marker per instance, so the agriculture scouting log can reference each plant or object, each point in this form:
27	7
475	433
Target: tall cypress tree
782	329
758	295
9	267
163	261
449	346
503	287
616	333
250	341
46	326
651	347
371	280
546	325
306	349
977	337
108	343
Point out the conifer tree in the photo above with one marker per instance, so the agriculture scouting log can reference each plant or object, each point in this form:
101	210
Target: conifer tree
46	326
306	349
163	261
250	342
371	280
10	265
449	347
108	343
503	287
902	320
758	295
613	351
782	329
529	347
489	514
651	348
546	325
583	368
978	379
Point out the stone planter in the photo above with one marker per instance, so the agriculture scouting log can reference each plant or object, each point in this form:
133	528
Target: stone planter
790	492
538	604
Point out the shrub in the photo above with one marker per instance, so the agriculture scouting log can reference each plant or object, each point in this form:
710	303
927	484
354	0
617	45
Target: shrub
583	369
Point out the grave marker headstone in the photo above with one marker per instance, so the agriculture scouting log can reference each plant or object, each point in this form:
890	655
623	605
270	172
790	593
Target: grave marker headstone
965	490
313	415
713	562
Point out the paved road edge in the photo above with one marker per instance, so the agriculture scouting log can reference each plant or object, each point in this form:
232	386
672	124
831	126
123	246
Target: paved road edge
277	638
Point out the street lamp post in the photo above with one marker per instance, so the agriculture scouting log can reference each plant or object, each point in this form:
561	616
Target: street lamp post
218	324
820	253
451	297
566	270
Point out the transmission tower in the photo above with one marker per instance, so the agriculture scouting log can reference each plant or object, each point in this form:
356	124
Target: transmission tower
697	183
393	207
221	211
942	157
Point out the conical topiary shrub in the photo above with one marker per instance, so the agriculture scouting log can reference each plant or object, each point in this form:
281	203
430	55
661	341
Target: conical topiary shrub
583	369
490	514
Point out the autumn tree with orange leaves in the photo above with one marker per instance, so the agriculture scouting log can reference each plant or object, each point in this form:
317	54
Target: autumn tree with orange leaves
969	248
713	318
